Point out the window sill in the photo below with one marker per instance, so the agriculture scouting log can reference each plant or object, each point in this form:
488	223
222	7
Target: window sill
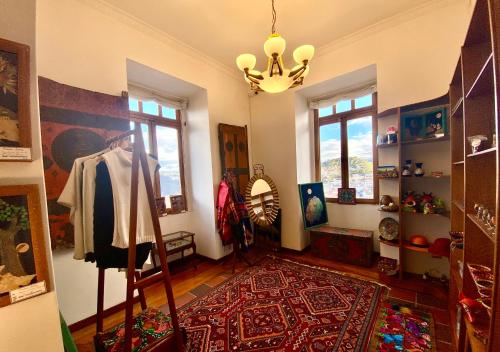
173	213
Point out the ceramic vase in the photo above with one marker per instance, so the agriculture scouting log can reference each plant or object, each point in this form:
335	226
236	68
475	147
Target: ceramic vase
419	171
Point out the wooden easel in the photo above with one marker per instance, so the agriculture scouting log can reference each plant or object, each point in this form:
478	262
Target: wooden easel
134	281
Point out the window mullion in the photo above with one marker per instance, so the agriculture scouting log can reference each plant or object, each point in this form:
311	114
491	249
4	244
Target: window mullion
344	164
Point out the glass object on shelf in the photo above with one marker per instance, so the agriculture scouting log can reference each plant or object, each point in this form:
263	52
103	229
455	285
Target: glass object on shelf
407	168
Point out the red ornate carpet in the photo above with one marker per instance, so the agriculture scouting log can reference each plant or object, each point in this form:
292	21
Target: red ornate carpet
282	306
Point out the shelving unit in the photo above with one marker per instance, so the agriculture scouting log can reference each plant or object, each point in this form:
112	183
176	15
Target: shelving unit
474	176
413	262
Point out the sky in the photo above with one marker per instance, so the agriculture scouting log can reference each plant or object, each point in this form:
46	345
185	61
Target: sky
359	134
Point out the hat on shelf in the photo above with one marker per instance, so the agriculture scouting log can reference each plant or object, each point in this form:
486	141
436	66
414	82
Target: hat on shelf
417	242
440	247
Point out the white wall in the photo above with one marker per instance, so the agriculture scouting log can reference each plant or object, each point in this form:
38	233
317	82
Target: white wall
17	23
86	45
415	58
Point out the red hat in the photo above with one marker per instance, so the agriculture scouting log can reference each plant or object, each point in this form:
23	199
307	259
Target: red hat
440	247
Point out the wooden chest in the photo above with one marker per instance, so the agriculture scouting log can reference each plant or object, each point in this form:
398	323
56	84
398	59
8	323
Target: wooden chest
344	245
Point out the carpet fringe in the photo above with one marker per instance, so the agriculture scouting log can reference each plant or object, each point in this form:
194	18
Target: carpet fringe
354	276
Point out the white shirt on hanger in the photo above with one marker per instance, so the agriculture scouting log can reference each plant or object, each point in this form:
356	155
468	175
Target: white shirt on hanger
88	190
71	197
119	164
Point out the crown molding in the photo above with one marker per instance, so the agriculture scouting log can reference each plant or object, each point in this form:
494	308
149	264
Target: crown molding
386	23
162	36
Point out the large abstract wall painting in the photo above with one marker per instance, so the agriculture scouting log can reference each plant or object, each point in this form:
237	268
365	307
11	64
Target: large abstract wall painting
74	123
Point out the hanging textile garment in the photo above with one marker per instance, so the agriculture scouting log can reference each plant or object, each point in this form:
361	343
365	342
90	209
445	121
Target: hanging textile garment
71	197
88	193
106	255
119	164
226	212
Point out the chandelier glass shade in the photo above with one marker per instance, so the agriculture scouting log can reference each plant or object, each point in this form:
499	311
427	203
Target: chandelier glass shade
276	78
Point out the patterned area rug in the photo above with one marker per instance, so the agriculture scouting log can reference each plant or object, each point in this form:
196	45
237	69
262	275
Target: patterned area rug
282	306
401	328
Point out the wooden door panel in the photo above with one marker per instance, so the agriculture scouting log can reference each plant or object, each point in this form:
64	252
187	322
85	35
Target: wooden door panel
233	144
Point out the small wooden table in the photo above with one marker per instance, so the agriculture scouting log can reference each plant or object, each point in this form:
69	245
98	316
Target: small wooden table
176	242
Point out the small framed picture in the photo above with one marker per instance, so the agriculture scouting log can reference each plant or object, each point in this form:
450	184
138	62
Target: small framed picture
346	196
15	131
23	258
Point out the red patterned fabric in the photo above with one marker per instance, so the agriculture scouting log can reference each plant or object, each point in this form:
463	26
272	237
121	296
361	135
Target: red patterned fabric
283	306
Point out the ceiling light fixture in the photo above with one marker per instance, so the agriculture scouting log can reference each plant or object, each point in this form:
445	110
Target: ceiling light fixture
276	78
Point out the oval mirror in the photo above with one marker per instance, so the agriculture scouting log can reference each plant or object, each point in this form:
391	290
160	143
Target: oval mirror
262	201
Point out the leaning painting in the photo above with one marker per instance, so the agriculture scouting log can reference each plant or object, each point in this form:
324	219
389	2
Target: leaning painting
22	250
15	138
312	200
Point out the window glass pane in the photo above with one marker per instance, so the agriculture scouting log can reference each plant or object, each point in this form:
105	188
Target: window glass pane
133	104
360	156
363	102
150	108
343	106
145	135
327	111
331	172
169	113
168	157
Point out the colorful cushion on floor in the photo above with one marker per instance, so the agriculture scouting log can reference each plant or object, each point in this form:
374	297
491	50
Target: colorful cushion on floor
148	327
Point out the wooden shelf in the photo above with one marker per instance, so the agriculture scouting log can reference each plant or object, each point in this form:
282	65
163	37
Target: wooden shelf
461	162
387	145
387	211
483	83
457	110
481	226
457	278
446	214
389	243
483	152
426	177
427	140
459	205
475	344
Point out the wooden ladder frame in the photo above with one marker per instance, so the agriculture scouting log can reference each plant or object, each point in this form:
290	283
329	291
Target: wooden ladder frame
134	281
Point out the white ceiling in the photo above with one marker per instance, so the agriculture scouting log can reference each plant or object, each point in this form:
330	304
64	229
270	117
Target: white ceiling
223	29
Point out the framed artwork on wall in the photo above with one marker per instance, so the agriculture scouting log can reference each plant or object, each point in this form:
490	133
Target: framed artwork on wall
22	247
312	201
15	127
346	196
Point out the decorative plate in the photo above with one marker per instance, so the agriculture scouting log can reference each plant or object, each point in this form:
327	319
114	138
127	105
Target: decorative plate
389	229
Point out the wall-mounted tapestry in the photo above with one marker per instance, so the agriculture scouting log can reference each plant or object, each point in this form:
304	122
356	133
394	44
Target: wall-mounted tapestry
74	123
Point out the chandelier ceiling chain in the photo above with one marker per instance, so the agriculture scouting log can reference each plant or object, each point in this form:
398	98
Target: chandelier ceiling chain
273	28
276	78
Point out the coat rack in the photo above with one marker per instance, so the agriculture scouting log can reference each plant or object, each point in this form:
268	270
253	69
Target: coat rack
134	281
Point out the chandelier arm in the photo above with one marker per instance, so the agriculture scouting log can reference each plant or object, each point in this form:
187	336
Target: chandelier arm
297	72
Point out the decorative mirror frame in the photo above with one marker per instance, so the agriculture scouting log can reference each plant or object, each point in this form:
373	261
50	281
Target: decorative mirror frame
248	201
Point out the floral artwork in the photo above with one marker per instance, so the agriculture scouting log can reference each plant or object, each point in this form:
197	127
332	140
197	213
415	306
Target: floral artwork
22	254
312	199
9	122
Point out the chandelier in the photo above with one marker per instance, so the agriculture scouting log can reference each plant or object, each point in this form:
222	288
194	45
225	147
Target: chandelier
276	78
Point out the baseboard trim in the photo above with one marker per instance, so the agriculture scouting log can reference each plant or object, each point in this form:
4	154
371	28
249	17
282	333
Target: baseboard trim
93	318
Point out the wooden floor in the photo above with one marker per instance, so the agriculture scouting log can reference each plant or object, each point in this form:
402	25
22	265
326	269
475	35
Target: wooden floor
186	280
